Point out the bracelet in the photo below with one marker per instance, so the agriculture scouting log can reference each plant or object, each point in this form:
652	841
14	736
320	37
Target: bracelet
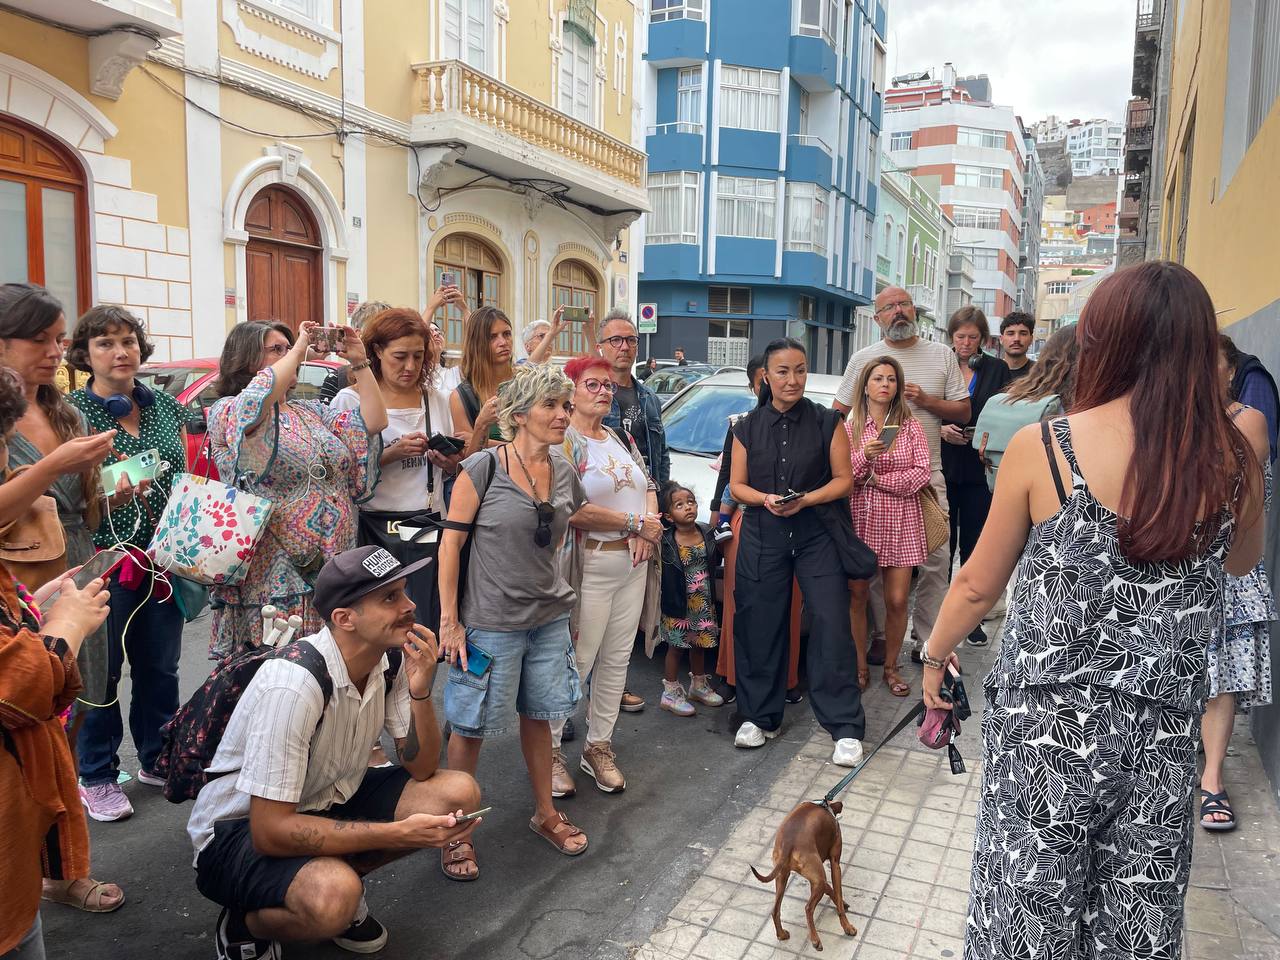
357	367
419	699
929	661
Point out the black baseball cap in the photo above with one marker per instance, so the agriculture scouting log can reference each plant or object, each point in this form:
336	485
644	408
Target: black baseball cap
353	574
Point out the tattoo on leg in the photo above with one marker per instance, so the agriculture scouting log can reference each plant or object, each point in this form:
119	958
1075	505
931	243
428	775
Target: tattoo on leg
410	748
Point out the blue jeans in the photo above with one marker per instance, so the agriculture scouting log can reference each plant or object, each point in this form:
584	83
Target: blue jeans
152	644
30	947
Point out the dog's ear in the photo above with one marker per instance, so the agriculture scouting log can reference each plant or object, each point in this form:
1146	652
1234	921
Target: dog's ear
836	806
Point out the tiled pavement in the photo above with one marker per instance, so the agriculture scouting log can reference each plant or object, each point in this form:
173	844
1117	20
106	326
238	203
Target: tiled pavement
908	835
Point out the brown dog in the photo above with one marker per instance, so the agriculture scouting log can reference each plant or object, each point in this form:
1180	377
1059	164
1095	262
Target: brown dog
807	838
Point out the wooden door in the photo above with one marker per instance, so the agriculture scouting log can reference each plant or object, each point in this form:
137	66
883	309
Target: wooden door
282	259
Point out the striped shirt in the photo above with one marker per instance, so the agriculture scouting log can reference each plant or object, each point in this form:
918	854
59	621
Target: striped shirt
930	366
273	749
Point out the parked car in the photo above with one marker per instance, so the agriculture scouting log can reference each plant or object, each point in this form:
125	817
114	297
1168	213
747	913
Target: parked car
191	383
638	367
696	419
667	383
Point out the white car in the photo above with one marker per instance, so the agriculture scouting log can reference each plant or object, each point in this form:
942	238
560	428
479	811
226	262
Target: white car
697	418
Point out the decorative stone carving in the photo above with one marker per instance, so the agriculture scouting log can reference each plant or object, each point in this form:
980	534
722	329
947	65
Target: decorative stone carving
611	227
475	220
291	159
533	200
112	56
433	164
318	65
501	10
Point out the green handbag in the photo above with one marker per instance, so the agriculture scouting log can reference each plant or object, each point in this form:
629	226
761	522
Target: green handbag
191	598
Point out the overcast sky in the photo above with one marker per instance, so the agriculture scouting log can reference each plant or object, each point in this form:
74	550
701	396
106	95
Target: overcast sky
1074	59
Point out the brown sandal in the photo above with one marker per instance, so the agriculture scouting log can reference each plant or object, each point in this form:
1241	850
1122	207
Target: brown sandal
897	686
557	831
91	900
864	678
455	853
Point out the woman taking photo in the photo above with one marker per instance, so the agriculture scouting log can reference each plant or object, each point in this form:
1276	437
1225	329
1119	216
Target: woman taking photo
413	476
313	462
1120	519
968	495
889	471
486	363
110	344
611	568
789	447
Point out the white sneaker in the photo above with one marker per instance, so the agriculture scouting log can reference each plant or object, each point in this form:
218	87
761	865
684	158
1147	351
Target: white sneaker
848	752
750	736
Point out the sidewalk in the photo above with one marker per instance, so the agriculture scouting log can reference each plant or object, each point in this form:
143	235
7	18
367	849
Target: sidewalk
908	837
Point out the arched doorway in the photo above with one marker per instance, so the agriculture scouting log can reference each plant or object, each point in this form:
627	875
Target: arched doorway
44	217
478	270
282	259
575	284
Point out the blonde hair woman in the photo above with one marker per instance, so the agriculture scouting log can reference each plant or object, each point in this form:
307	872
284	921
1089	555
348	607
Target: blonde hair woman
890	459
486	363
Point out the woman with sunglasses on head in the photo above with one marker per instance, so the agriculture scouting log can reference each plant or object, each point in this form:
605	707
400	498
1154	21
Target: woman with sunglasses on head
486	363
314	462
612	569
506	639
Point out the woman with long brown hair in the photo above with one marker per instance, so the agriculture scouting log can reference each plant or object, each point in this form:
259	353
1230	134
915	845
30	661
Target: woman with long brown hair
486	363
1120	518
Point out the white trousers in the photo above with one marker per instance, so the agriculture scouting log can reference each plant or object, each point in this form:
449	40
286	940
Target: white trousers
931	584
612	599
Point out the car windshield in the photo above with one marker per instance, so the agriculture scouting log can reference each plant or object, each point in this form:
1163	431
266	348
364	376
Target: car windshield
696	420
170	380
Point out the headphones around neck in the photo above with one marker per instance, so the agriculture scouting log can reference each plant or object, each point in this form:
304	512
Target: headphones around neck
120	405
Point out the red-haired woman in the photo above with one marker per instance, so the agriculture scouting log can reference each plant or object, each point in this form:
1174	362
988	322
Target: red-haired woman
1120	518
612	563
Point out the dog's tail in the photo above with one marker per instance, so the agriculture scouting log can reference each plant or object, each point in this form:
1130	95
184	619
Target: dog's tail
765	879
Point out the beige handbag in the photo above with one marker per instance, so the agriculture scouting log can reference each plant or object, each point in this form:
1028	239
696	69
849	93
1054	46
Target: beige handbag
34	547
937	525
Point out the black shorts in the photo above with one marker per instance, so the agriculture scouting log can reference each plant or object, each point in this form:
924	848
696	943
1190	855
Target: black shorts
230	872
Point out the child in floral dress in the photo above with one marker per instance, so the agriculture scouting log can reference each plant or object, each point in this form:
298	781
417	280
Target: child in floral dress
688	601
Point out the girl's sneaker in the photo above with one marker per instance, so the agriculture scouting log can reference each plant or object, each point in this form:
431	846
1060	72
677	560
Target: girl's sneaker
674	699
700	690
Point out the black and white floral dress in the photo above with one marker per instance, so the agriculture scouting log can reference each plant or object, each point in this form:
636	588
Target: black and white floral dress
1083	840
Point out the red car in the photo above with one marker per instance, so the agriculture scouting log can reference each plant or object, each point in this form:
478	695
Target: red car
190	382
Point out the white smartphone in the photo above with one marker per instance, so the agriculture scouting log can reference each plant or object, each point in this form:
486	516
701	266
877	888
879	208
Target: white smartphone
99	565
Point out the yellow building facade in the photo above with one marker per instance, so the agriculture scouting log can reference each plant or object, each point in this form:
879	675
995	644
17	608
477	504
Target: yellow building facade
205	162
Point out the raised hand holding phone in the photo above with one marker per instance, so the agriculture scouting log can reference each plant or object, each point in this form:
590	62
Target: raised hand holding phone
77	613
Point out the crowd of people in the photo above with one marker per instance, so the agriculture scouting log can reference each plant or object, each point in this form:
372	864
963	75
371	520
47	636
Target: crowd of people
515	519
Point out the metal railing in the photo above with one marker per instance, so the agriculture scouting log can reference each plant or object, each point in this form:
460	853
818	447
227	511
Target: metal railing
1141	124
678	126
923	296
884	267
809	140
452	87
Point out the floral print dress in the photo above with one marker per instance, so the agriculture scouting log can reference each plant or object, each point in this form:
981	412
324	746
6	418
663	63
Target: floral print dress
698	627
325	463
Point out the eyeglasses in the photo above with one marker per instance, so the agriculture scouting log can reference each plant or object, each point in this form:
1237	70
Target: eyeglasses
617	342
594	386
890	307
546	513
279	350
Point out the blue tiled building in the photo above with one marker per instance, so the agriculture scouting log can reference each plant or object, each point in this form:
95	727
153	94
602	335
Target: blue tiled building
763	127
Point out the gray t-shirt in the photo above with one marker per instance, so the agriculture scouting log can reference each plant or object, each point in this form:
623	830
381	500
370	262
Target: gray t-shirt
512	583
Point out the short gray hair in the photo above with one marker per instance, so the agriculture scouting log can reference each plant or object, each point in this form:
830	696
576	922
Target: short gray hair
366	312
532	384
527	334
617	313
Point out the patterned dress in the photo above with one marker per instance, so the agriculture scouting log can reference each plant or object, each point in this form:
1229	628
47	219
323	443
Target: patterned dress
698	627
886	495
325	463
1083	840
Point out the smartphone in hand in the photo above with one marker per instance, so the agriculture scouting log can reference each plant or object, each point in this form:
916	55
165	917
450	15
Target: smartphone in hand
99	565
888	435
575	314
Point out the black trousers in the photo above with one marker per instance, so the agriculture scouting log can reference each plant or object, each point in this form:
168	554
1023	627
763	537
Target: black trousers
771	551
970	503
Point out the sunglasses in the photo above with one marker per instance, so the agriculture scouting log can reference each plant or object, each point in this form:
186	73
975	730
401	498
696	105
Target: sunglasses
546	513
594	386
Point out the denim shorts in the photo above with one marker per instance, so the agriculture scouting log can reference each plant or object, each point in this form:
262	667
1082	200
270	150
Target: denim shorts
534	670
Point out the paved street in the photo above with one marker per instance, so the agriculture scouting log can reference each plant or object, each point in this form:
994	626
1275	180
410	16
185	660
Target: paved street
667	873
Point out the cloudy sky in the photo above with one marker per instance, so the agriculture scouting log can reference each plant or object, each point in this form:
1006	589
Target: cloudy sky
1043	56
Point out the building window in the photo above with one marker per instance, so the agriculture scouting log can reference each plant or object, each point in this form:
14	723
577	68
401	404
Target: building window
902	249
466	31
317	11
661	10
978	137
577	74
44	217
1264	68
673	198
749	98
984	258
1184	201
977	218
979	176
689	100
806	217
745	207
899	140
985	300
479	272
1057	287
820	18
806	309
914	274
575	284
729	299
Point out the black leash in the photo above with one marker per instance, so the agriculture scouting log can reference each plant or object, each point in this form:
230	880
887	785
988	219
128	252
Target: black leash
839	788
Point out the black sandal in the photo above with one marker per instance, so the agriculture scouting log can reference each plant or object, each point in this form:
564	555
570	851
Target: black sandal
1216	803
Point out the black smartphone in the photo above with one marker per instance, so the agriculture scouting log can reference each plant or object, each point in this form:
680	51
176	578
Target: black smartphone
789	497
442	443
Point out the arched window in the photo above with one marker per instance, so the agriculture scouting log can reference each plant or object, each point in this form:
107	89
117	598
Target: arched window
282	259
902	250
914	276
888	236
575	284
44	217
477	269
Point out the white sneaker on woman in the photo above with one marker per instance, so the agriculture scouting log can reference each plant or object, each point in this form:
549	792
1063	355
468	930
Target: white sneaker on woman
750	736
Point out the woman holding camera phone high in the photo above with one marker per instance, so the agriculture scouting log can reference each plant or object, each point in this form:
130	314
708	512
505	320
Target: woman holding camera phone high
315	463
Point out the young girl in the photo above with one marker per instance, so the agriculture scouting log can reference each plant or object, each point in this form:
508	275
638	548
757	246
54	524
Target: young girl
688	601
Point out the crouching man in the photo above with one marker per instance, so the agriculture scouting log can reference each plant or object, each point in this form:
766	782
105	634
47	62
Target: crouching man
292	818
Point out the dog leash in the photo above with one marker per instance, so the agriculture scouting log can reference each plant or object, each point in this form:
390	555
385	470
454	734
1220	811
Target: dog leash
901	725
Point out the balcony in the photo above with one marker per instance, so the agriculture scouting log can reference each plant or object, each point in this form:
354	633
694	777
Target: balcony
459	110
1140	125
678	41
813	63
674	146
923	297
884	268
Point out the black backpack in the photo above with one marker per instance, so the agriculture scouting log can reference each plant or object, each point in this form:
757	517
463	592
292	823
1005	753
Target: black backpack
193	735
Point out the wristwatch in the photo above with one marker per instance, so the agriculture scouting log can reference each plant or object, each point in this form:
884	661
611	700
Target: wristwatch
929	661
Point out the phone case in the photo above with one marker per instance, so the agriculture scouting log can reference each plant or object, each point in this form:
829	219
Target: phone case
478	661
141	467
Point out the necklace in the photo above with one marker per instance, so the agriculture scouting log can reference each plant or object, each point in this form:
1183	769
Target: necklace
527	475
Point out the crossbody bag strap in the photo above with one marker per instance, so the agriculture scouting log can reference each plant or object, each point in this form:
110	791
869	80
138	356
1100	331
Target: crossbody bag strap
1053	460
237	476
431	468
